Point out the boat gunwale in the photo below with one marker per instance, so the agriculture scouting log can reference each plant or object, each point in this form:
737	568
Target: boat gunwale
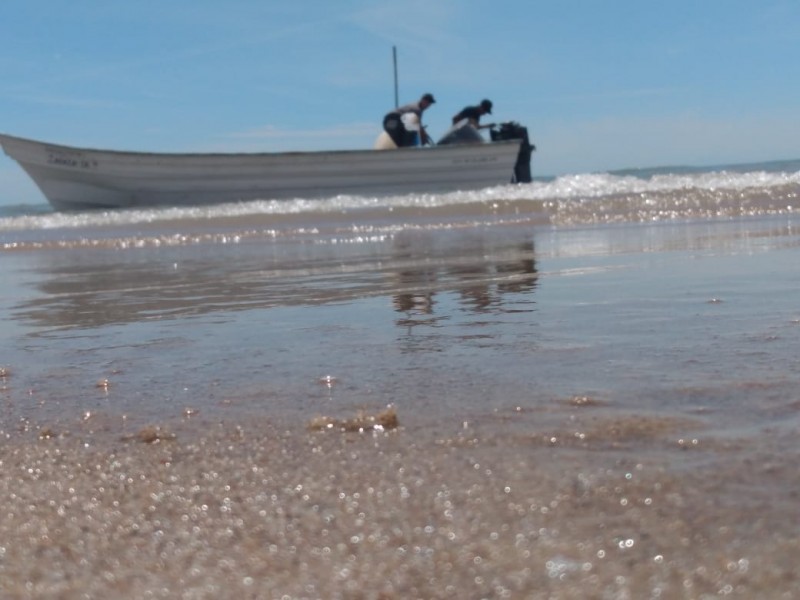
292	153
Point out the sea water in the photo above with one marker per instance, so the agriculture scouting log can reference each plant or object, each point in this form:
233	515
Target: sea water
595	378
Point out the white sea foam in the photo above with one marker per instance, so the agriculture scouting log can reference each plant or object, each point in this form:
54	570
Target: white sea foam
603	193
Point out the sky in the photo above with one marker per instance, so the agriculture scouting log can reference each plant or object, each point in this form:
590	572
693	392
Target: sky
600	84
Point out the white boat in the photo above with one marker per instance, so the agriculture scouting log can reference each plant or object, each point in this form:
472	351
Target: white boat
82	178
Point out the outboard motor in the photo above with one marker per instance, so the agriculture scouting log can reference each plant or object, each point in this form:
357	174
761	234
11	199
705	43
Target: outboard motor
514	131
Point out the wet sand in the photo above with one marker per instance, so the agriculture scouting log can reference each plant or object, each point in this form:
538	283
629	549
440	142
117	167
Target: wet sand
601	507
599	413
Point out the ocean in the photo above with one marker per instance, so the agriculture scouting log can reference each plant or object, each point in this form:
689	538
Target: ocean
581	387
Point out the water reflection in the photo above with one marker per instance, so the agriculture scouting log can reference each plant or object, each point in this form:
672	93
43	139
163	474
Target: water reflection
480	270
102	288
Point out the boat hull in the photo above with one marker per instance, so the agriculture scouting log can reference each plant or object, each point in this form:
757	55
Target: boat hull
80	178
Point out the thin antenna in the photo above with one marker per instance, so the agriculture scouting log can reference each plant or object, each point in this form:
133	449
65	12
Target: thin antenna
394	58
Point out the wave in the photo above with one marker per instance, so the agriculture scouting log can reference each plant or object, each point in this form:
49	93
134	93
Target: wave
630	196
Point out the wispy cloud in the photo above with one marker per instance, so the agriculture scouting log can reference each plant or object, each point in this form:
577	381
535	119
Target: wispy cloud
420	25
273	132
271	138
63	101
619	94
65	65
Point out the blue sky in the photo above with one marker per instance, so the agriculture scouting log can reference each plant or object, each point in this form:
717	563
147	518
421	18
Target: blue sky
600	84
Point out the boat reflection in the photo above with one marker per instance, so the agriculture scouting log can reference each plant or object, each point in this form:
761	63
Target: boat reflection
91	289
483	275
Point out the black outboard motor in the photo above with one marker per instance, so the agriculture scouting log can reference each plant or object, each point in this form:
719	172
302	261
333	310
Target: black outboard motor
514	131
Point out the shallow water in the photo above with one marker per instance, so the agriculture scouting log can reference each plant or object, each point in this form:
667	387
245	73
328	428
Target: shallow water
438	321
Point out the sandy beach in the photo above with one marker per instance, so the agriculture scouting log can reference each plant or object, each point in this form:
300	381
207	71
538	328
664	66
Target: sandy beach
598	412
605	507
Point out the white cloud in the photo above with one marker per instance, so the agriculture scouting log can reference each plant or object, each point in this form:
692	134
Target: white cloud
271	138
414	24
65	101
335	131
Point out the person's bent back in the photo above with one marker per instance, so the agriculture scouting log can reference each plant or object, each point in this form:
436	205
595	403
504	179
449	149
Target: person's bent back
404	124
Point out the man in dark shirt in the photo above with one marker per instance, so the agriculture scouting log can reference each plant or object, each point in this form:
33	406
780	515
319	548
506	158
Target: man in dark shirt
396	123
473	114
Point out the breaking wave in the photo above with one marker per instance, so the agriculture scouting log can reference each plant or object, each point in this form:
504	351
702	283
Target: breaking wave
571	200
